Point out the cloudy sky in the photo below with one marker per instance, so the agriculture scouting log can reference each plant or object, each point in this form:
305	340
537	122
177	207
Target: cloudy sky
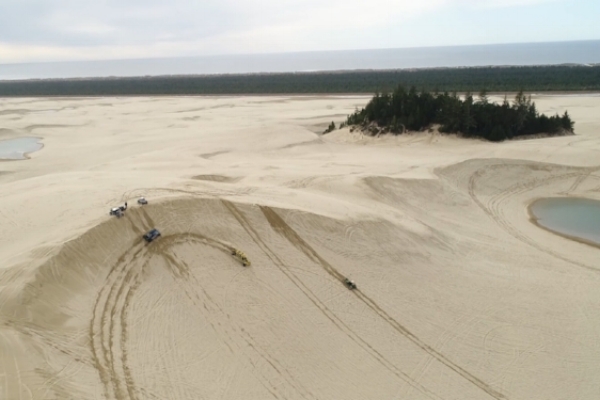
55	30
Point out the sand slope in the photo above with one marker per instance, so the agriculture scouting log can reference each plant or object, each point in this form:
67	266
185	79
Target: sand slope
459	295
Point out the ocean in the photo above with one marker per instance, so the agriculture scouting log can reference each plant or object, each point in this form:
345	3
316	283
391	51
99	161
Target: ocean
580	52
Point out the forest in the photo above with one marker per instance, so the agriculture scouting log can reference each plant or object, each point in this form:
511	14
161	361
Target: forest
410	110
493	79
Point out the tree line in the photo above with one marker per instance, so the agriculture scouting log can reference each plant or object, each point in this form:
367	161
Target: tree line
408	110
494	79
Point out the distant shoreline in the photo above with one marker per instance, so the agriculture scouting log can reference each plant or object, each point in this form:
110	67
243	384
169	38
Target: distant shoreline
296	95
548	79
316	72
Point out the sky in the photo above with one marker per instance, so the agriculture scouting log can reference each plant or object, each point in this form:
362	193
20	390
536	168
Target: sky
69	30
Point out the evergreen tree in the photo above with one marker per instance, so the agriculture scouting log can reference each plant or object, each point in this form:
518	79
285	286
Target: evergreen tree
330	128
483	97
411	110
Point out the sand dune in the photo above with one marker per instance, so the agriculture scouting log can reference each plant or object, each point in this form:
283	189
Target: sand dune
459	295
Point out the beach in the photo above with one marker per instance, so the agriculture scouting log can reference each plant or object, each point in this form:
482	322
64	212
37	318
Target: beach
459	295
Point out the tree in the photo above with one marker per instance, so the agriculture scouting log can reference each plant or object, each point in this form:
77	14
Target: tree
403	110
522	105
567	124
483	97
498	134
468	123
330	128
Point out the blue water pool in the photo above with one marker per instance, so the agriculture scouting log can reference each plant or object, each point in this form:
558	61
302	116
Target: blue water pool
17	149
575	217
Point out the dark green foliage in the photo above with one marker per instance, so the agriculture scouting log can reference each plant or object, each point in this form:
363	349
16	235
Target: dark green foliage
414	111
494	79
330	128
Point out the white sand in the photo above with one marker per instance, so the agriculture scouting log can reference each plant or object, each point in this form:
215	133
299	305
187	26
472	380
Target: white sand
459	295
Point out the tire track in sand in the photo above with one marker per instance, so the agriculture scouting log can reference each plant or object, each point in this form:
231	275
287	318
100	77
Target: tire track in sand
108	326
342	326
281	227
580	179
494	206
202	300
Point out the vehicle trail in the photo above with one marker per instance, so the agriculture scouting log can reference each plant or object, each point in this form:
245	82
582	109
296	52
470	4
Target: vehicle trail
342	326
108	326
202	300
280	226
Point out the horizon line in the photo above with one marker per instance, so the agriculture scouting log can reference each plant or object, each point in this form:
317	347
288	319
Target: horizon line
299	52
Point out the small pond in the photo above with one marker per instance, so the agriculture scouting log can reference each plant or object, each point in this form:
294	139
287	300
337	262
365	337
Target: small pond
577	218
17	149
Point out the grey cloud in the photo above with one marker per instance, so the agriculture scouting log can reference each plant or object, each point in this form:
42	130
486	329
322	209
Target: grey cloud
207	25
65	22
